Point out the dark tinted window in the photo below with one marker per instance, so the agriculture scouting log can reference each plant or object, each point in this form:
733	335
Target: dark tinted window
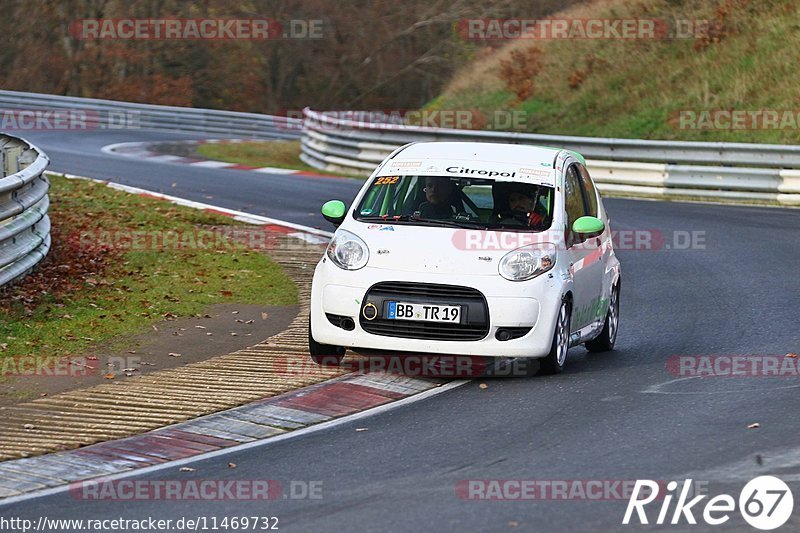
589	189
573	196
469	201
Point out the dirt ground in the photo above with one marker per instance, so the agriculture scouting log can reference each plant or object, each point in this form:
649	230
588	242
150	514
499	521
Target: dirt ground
224	328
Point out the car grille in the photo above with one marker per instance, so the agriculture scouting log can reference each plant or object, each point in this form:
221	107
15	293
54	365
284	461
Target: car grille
477	311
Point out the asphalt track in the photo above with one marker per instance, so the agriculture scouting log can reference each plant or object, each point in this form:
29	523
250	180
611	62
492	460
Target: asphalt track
615	416
277	196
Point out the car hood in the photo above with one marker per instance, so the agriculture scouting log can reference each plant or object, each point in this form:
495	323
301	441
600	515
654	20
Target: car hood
439	250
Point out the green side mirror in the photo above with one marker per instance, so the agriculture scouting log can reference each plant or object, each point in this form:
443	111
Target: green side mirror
334	211
588	225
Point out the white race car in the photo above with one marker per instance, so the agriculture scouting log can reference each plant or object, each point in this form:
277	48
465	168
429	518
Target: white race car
473	249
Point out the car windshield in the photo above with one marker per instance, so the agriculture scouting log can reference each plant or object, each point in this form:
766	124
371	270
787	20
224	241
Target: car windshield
444	200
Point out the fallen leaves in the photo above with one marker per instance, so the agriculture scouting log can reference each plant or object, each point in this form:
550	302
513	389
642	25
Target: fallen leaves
77	363
173	354
754	425
792	355
483	386
186	469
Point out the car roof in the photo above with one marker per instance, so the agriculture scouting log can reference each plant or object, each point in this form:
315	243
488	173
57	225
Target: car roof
510	154
497	161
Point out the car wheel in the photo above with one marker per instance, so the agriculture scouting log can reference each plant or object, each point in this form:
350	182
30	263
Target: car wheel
605	341
324	354
553	363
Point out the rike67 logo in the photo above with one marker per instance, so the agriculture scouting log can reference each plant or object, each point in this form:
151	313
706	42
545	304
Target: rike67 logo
765	503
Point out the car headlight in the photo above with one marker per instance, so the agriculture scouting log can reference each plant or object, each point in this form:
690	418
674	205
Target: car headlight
348	251
528	262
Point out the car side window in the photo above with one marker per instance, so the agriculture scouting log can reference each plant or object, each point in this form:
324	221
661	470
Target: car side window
589	189
573	198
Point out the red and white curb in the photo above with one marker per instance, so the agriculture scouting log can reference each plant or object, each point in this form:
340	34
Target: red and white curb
142	151
263	422
316	407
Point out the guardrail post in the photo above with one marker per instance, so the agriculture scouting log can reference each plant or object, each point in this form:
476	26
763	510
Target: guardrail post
11	159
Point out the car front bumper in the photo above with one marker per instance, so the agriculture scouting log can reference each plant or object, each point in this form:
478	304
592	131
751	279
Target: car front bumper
533	303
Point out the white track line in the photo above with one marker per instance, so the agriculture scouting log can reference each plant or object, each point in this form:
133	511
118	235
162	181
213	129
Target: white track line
112	148
208	164
275	170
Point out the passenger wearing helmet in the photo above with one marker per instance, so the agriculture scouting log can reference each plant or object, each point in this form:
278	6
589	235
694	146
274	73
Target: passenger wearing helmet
519	204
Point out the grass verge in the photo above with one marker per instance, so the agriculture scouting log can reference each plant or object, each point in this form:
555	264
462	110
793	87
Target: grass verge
98	285
282	154
737	57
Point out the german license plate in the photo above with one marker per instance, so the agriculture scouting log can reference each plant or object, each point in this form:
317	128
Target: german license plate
424	312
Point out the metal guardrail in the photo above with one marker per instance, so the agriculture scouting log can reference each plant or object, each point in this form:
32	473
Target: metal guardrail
24	224
629	167
110	114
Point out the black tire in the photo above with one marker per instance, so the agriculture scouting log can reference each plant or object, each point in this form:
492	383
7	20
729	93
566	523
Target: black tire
608	337
324	354
554	362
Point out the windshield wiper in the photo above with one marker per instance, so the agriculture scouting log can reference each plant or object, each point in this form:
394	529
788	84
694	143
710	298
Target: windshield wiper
387	219
424	221
515	227
452	223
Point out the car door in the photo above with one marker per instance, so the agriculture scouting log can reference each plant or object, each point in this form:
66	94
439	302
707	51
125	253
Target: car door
595	262
583	252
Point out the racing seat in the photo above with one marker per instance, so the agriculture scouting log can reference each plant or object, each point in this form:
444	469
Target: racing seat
500	193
